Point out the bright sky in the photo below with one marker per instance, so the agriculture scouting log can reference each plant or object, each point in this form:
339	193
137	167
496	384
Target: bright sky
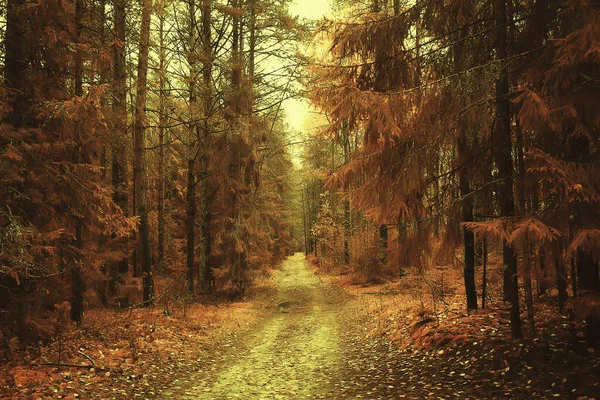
311	9
297	110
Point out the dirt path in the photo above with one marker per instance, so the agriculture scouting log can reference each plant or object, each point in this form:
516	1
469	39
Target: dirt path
295	353
311	344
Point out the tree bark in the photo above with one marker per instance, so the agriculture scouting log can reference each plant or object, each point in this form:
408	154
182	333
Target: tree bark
528	287
543	278
561	277
383	242
502	152
15	64
161	146
119	106
464	156
205	278
484	277
190	225
347	215
77	283
139	167
467	216
191	167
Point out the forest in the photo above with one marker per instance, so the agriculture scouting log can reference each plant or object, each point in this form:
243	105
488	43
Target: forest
151	184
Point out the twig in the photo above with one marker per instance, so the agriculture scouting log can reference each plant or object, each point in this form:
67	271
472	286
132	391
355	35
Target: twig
63	365
149	301
88	357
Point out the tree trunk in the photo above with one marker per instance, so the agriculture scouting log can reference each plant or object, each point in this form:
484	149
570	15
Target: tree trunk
120	137
484	277
252	44
543	278
464	156
587	272
523	211
161	146
77	290
139	170
528	288
77	283
15	64
192	55
205	278
502	147
235	55
347	223
190	229
102	79
383	242
561	277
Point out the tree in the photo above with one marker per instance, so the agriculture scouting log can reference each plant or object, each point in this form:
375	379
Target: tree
139	168
205	276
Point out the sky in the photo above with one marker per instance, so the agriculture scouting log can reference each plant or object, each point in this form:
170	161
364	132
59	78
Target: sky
297	110
312	9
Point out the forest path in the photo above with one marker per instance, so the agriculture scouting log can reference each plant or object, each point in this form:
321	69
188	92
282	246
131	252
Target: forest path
294	353
313	343
314	340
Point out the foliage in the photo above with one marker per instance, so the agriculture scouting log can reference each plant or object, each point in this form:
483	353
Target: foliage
413	86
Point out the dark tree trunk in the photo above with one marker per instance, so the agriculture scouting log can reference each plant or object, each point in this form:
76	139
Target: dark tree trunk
77	282
383	242
205	278
120	137
161	147
484	277
522	200
574	278
467	216
502	152
347	215
235	55
141	181
543	278
191	204
190	229
77	291
252	44
561	277
15	64
587	272
102	78
465	189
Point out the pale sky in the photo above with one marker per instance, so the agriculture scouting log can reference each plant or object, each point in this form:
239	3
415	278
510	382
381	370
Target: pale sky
297	110
311	9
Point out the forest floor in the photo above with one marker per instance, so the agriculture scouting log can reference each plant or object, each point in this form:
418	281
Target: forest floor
303	335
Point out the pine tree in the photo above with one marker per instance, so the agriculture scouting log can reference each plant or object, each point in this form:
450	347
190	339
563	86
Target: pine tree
139	167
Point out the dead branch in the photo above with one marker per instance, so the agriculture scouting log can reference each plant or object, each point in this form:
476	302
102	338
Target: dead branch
50	364
88	357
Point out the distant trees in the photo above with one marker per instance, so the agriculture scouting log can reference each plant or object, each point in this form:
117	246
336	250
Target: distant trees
479	113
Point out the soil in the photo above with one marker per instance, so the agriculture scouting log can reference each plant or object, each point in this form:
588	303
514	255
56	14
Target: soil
295	352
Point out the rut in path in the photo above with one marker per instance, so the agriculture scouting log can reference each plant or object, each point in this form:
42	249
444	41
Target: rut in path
295	353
